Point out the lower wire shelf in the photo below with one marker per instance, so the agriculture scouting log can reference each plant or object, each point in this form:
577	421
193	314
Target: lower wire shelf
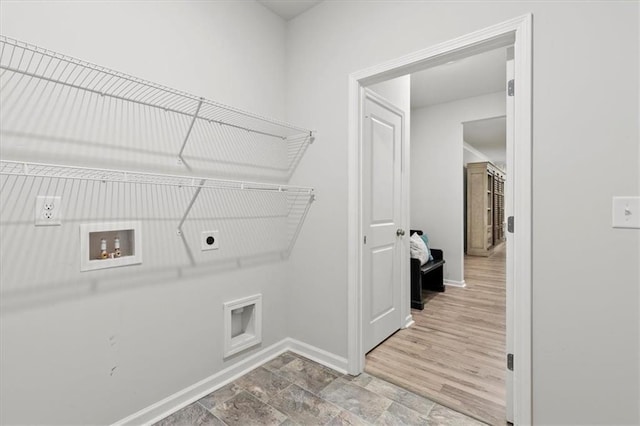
295	205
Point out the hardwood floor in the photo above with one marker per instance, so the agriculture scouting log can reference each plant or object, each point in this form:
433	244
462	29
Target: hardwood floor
455	352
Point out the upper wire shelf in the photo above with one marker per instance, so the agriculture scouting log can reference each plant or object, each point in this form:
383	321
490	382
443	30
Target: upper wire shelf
40	91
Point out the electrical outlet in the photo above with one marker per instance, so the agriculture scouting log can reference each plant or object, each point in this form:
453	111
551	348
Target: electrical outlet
48	210
209	240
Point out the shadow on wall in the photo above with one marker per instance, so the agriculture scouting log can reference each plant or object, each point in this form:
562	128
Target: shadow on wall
57	109
41	264
52	293
242	156
61	109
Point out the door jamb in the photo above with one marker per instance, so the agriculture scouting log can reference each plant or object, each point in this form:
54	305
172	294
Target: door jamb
516	32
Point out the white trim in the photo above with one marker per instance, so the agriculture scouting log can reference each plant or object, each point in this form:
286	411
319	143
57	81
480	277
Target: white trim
190	394
452	283
516	32
318	355
355	355
474	151
408	322
252	335
522	184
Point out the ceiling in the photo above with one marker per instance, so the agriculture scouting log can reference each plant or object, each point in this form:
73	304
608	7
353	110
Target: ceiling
473	76
288	9
489	137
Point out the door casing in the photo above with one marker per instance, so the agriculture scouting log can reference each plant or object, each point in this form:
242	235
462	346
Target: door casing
515	32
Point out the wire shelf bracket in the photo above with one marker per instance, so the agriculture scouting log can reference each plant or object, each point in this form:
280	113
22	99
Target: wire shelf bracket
191	203
186	138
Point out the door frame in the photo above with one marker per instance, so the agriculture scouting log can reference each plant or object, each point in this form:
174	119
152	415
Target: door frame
516	32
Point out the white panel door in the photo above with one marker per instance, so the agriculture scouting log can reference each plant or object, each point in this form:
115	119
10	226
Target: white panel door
381	213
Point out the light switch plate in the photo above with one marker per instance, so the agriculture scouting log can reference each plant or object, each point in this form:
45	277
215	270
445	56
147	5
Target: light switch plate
626	212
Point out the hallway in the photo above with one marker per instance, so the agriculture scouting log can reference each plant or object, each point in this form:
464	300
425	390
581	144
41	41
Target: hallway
455	352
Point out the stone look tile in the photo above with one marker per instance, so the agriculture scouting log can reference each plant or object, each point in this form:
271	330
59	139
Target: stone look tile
245	409
320	395
221	395
361	380
345	418
398	414
358	400
303	407
191	415
262	383
279	361
308	374
443	416
402	396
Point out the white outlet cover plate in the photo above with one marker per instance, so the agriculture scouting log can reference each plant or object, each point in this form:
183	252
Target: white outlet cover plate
48	210
626	212
204	244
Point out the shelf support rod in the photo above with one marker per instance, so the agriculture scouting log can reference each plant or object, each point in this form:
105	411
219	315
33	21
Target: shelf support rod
186	212
186	138
312	198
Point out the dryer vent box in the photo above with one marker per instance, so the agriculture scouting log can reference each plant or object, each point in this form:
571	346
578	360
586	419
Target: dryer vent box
242	324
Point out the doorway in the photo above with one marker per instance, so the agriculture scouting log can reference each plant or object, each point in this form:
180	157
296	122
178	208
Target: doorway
517	33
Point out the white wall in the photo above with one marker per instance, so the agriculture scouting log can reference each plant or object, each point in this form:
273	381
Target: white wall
56	349
472	155
437	198
585	150
397	91
95	347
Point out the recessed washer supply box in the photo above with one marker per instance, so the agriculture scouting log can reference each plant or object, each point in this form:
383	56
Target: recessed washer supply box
110	245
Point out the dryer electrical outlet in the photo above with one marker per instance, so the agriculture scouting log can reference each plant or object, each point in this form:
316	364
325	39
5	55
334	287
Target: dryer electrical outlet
48	210
209	240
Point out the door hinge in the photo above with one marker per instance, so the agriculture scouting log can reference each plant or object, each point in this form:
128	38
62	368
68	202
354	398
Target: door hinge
511	87
365	239
510	224
510	362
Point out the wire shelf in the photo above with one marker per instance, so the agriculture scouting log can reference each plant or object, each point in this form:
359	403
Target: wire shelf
106	175
284	207
54	97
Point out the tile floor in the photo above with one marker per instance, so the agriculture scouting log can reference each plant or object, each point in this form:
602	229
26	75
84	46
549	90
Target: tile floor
292	390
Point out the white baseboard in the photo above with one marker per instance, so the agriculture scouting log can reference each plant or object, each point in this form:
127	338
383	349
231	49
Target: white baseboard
190	394
408	321
318	355
453	283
